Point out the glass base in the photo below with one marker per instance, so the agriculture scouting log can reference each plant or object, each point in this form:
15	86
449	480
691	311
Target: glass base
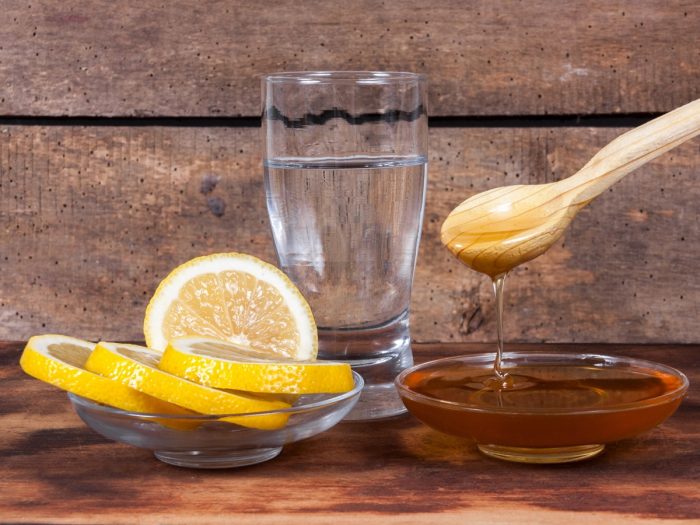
542	455
378	354
214	459
377	402
379	398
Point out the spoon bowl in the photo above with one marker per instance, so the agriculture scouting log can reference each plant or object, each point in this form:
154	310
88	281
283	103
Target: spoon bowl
493	231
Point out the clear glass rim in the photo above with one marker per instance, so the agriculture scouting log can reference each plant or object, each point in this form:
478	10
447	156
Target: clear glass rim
334	399
552	357
344	77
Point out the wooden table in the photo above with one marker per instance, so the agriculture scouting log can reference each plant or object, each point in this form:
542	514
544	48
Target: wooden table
56	470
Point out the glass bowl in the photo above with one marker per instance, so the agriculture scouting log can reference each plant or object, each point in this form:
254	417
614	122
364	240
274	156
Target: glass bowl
204	441
562	407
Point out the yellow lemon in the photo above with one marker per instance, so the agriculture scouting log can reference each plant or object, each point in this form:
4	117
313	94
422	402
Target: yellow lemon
137	367
236	298
225	365
60	361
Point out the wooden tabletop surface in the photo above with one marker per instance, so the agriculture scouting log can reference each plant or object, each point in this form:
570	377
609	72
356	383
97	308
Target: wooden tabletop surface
56	470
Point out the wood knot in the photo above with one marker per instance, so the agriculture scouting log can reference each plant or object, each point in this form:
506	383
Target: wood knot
216	205
471	322
208	183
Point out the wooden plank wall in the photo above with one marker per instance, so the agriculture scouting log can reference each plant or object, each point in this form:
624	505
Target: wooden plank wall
112	114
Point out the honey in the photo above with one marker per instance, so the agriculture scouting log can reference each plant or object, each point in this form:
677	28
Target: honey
553	402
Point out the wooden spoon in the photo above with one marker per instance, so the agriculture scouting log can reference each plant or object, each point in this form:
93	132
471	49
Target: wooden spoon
499	229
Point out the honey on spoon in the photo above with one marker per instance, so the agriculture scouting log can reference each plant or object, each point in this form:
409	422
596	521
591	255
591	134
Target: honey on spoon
494	231
543	407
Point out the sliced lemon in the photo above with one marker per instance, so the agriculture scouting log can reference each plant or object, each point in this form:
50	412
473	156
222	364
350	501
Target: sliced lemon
60	361
137	367
236	298
225	365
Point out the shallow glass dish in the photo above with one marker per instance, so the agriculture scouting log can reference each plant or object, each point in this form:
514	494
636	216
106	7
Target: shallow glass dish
202	441
563	407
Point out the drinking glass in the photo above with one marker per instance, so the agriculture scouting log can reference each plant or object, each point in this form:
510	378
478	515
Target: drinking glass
345	159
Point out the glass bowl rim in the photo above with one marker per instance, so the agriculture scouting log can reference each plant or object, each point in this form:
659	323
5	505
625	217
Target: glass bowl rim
668	396
344	77
334	399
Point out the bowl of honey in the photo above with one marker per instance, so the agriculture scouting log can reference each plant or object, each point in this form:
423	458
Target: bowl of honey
547	407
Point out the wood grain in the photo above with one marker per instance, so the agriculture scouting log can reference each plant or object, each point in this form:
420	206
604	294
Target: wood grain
483	57
55	470
92	218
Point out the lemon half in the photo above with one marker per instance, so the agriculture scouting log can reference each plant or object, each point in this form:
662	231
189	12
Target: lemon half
232	297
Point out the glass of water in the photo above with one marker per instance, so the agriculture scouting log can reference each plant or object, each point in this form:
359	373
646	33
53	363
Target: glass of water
345	157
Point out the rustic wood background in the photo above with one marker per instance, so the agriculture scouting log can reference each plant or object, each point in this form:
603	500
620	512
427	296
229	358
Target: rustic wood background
129	144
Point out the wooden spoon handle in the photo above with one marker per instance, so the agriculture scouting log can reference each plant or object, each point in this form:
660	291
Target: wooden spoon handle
633	149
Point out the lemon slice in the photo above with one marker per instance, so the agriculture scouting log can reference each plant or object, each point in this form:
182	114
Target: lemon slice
225	365
236	298
137	367
60	361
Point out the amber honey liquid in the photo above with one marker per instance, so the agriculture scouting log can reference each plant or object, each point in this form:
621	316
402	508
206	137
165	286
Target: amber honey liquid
539	407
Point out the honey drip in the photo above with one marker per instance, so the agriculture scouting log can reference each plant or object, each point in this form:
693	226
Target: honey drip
498	284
